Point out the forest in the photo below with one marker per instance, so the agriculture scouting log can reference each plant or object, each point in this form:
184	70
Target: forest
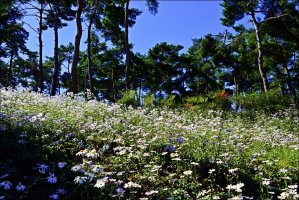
97	120
261	58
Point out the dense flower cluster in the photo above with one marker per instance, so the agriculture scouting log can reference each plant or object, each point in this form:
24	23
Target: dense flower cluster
121	152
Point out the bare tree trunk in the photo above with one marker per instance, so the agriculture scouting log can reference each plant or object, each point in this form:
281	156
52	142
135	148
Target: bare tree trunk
237	92
59	88
77	47
128	59
9	74
290	85
260	53
85	85
89	51
40	65
225	36
113	86
56	63
35	72
140	90
69	72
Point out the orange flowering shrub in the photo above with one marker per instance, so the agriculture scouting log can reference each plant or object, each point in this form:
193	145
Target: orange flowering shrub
224	95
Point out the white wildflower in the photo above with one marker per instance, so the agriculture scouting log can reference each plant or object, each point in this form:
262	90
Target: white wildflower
80	179
266	182
219	162
293	186
77	168
286	178
151	192
33	119
233	170
283	171
146	154
189	172
132	185
92	154
176	159
237	187
101	182
97	168
82	152
283	195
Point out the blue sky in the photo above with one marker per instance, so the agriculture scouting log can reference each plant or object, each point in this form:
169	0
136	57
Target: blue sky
177	22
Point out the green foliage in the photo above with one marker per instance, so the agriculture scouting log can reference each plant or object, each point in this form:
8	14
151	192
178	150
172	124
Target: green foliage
214	60
273	101
165	66
149	100
152	6
203	67
196	102
216	100
169	102
129	98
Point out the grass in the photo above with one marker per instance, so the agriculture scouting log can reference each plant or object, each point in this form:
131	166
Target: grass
118	152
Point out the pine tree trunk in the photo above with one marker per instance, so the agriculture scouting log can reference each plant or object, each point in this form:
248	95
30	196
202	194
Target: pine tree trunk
140	90
9	74
260	53
128	59
40	65
56	63
290	85
113	86
89	52
237	92
77	48
35	72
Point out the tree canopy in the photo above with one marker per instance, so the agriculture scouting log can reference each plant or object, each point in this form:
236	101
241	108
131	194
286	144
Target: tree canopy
259	58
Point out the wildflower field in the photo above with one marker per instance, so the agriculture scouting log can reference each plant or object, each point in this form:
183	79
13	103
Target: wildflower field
59	148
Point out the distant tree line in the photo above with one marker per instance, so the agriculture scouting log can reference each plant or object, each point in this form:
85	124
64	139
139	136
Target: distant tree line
259	58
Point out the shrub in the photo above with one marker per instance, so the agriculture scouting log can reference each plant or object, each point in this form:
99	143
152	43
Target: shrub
172	101
149	100
129	98
218	100
272	101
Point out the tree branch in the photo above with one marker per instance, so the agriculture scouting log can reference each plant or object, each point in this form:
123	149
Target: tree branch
260	11
31	15
29	26
276	17
34	7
